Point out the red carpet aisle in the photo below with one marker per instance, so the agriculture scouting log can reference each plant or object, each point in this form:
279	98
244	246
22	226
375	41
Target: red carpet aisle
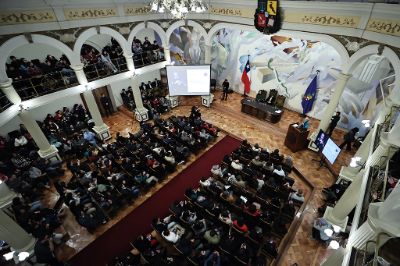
116	240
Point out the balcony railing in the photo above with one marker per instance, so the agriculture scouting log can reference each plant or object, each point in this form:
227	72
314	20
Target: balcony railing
103	69
4	102
148	58
44	84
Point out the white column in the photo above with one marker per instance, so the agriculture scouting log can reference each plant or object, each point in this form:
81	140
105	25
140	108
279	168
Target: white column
10	92
334	101
330	109
46	150
101	129
6	195
14	235
80	74
338	214
141	113
207	54
167	55
129	61
382	217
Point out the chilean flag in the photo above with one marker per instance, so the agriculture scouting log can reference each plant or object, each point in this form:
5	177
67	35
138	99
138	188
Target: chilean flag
245	78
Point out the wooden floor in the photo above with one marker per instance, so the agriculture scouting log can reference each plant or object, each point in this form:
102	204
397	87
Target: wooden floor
302	249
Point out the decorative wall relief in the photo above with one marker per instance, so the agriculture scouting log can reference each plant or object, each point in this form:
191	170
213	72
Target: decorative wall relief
135	10
235	12
322	19
26	16
89	13
391	27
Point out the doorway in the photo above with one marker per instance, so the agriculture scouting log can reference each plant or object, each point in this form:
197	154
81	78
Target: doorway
97	94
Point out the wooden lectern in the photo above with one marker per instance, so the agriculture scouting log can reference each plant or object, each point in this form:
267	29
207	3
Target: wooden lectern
296	138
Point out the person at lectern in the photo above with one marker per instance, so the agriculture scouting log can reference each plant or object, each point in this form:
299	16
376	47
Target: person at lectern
225	90
305	125
334	121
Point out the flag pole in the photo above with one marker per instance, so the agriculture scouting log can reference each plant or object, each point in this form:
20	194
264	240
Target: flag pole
244	89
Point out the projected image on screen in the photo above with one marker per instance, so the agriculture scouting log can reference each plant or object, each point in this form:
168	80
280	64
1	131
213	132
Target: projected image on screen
331	151
321	139
188	80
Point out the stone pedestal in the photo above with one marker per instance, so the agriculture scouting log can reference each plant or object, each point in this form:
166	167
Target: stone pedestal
141	114
50	154
102	131
207	100
173	101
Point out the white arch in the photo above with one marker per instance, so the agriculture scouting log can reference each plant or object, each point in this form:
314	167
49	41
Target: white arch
20	40
151	25
388	53
344	55
181	23
103	30
360	55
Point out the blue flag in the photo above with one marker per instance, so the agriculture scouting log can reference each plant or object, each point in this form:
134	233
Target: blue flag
309	96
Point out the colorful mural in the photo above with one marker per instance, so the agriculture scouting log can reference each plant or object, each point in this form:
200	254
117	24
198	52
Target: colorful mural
282	63
186	46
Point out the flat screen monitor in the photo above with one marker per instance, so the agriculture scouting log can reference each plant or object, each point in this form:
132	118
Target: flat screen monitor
189	80
331	151
321	139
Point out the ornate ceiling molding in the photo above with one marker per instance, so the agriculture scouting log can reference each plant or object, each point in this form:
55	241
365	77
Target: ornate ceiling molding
27	17
385	26
136	10
322	19
89	13
232	12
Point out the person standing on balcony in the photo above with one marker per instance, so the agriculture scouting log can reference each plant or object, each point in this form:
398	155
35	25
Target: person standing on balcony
106	103
106	60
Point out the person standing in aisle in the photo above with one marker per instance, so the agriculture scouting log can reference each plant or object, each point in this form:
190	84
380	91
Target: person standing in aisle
225	90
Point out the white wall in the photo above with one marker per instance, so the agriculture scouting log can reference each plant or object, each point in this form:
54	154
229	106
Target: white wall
116	87
149	76
11	125
99	41
36	51
146	33
40	112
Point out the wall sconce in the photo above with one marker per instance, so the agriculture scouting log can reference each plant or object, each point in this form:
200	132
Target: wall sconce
366	123
355	162
334	244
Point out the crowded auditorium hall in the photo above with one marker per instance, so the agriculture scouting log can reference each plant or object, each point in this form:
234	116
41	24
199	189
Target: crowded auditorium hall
199	132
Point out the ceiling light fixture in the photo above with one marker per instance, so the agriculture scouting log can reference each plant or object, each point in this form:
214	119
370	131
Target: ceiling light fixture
178	8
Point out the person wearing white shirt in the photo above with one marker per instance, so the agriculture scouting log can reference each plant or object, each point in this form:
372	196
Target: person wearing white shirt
20	141
279	171
237	165
298	196
216	170
169	157
170	236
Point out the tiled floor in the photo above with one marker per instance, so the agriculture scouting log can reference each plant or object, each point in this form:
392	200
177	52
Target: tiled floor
227	116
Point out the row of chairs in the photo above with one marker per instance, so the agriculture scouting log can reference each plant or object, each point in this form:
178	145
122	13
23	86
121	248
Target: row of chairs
271	98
